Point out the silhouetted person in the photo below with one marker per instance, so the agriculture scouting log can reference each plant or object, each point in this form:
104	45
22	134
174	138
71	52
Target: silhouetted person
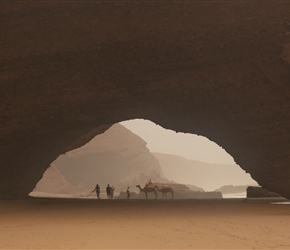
112	192
108	189
128	193
97	189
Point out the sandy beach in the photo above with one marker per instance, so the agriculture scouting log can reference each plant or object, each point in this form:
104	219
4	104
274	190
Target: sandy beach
45	223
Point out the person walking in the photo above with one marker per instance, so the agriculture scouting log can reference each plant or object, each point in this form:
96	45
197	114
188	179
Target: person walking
128	193
108	189
97	189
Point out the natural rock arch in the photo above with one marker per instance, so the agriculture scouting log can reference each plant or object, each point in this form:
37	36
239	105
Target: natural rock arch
69	70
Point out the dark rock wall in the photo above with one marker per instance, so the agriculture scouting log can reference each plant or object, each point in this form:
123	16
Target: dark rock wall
259	192
69	70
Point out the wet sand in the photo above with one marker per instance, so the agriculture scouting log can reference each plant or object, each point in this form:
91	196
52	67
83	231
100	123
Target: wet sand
139	224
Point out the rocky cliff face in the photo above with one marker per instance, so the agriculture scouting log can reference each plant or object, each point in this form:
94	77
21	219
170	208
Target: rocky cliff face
69	70
206	175
114	158
231	189
54	183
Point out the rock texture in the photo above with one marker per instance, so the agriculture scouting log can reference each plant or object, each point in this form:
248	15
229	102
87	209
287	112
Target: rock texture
54	183
117	157
69	70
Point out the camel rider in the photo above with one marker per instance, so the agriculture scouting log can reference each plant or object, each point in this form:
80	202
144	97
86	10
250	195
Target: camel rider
149	183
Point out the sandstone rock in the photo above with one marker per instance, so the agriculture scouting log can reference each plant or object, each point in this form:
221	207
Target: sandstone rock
286	53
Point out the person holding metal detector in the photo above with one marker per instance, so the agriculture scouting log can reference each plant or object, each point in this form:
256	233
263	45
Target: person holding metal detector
97	189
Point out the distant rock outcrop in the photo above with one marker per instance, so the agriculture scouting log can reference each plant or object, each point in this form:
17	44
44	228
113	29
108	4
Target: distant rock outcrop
206	175
231	189
195	188
182	191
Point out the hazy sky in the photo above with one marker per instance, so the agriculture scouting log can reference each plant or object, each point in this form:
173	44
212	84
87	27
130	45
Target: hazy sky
190	146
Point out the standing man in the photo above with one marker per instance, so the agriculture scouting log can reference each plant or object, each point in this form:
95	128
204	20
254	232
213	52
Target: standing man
112	192
98	191
128	193
109	191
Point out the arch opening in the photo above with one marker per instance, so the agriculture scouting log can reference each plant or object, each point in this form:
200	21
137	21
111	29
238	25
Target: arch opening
133	151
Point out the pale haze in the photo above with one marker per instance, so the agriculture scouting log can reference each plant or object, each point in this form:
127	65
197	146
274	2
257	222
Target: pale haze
190	146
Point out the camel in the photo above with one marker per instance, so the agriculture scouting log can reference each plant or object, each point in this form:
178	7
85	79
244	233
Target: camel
148	189
166	189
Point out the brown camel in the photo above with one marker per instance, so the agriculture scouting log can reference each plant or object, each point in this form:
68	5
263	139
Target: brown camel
148	189
166	189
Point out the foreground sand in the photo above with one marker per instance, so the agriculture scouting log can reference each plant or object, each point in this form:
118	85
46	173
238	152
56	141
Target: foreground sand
141	224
